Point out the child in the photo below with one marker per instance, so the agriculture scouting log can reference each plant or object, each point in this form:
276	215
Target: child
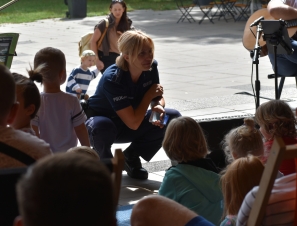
11	138
80	77
240	177
243	140
276	118
85	150
60	119
29	102
194	181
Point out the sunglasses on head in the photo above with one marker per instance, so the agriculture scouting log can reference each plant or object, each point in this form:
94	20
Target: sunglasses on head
115	1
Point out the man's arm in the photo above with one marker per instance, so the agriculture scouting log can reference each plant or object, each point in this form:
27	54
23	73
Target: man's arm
280	10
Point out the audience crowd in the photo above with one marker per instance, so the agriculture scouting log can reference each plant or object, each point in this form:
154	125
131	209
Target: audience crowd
66	184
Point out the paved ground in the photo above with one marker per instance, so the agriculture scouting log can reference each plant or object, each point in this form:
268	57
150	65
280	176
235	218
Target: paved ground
202	67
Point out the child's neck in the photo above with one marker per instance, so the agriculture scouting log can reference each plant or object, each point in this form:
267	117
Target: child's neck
22	125
51	88
84	67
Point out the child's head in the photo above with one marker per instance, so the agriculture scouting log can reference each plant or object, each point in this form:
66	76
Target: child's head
184	140
85	150
29	100
66	189
134	46
87	58
8	104
243	140
276	118
51	63
240	177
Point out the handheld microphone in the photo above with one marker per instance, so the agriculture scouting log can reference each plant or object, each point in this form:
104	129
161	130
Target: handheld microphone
257	21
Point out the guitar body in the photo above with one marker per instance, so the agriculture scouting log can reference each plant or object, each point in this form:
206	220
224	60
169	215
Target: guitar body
249	39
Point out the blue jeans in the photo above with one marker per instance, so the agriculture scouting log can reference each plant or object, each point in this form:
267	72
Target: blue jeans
286	64
146	140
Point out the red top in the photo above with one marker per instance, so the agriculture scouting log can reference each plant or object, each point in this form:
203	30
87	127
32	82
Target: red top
287	166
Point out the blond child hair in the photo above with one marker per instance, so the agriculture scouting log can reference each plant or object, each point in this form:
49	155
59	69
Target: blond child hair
184	140
240	177
86	54
84	150
242	141
276	118
130	43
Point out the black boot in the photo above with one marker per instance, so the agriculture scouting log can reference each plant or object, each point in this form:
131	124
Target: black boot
133	165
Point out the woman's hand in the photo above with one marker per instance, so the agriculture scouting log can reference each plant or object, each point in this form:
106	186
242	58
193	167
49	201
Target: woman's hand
158	108
99	64
156	90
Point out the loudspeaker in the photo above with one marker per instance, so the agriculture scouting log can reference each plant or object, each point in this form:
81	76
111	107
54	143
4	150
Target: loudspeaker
215	130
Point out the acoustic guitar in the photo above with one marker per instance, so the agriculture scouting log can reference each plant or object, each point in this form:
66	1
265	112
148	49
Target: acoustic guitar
249	34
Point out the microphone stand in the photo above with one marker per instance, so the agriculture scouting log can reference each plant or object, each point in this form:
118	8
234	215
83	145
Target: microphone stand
255	54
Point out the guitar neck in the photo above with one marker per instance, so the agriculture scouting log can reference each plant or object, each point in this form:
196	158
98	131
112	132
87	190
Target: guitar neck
8	4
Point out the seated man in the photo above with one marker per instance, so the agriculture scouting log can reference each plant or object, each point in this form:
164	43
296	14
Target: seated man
159	211
280	209
286	10
12	140
66	189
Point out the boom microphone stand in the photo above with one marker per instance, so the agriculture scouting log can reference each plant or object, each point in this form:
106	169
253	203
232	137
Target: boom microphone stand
255	55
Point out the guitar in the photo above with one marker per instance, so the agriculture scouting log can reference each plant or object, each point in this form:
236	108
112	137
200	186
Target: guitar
249	37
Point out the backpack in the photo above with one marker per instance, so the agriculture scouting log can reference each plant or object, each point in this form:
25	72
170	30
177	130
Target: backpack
84	43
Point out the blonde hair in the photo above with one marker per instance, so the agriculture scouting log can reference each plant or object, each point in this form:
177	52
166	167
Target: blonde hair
48	62
131	43
184	140
86	54
277	118
84	150
240	177
243	140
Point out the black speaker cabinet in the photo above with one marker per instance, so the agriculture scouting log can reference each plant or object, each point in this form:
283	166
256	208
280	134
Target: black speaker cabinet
214	130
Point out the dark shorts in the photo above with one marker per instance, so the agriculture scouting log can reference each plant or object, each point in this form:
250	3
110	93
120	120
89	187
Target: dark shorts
199	221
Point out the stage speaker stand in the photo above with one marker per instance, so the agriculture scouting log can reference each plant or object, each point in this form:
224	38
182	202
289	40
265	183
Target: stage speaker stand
215	130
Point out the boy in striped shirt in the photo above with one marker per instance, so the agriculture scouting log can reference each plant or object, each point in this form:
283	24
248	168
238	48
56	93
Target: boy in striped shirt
80	77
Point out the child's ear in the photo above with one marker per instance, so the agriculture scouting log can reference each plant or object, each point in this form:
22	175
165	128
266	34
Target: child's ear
12	113
126	57
30	109
234	155
270	128
62	75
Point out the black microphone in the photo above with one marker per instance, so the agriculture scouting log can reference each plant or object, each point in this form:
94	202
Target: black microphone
256	22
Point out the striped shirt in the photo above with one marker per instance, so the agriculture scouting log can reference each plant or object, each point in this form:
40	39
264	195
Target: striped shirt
280	209
80	78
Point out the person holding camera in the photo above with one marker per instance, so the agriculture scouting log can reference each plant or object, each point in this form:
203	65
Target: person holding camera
118	111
